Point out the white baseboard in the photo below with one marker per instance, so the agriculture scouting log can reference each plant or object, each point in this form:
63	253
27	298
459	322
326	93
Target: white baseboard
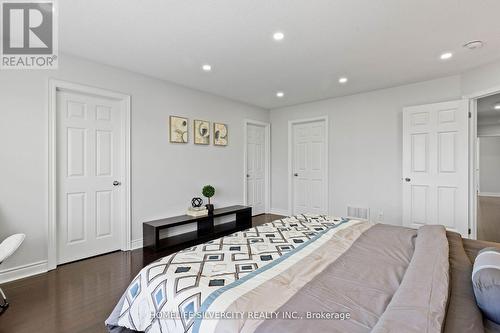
23	271
136	244
489	194
279	212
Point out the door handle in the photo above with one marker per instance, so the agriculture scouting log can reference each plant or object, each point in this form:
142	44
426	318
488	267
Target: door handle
116	183
248	176
407	180
295	174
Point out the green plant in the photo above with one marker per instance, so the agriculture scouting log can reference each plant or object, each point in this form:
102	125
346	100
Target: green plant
208	191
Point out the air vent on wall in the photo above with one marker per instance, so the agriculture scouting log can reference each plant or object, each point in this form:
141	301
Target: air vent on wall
359	213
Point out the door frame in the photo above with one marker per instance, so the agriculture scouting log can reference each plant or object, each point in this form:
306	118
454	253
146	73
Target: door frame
291	123
473	163
56	85
267	154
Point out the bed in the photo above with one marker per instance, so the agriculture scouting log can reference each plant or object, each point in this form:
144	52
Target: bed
308	273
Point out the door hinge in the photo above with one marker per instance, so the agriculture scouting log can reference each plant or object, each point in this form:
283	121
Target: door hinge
470	114
470	231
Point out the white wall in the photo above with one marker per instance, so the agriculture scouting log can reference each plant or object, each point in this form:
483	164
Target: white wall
365	140
365	145
489	165
480	79
488	130
164	176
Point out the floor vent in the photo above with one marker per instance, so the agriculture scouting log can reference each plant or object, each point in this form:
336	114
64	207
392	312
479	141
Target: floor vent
359	213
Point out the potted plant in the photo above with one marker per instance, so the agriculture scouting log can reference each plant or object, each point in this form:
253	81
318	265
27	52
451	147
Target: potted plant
208	191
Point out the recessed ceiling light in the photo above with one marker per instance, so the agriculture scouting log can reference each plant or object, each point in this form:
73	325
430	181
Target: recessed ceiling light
446	56
343	80
278	35
280	94
206	68
497	106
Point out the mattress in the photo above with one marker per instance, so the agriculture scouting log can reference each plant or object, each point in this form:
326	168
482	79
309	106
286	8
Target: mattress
307	273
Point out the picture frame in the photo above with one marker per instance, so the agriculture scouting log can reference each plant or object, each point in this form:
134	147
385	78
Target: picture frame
221	134
179	129
201	129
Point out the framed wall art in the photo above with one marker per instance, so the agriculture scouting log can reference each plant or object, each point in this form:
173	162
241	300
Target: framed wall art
178	129
201	132
220	134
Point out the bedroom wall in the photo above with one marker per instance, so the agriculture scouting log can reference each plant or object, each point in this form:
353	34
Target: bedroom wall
365	140
488	130
365	134
365	146
481	79
489	165
164	176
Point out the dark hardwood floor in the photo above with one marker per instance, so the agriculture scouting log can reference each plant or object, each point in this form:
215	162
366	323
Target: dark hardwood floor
79	296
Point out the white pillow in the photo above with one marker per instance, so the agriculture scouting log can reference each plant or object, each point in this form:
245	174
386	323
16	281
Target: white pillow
486	283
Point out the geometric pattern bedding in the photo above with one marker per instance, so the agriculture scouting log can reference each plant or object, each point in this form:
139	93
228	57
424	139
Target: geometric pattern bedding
165	294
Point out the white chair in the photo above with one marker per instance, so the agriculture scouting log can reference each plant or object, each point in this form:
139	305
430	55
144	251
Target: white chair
7	248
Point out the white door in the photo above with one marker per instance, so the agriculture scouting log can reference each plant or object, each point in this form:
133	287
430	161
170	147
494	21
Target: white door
309	167
256	168
435	165
88	163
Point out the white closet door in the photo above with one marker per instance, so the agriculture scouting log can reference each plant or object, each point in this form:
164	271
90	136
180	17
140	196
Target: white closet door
88	176
309	187
435	165
256	168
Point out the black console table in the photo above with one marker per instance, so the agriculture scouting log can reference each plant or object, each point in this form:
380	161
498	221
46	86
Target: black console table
206	230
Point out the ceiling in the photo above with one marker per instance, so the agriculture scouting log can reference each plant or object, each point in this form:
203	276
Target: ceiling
376	44
486	113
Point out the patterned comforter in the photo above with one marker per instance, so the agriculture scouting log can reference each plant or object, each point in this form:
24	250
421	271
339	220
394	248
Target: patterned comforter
346	275
166	294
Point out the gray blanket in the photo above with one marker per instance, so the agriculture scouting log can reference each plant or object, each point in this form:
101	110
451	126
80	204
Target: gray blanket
361	282
384	283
